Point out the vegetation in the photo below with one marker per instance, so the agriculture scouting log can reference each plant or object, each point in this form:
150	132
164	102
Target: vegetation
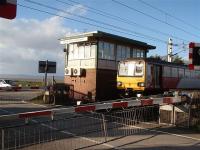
157	57
178	60
175	59
29	83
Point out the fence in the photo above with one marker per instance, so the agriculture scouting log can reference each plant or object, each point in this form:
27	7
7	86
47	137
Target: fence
76	131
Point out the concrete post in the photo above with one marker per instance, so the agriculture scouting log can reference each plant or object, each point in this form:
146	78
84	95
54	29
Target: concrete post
173	115
159	116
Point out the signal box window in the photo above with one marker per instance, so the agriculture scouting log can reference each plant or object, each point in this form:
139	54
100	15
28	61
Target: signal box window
123	52
106	50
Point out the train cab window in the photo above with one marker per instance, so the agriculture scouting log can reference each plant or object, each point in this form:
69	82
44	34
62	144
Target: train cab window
131	68
139	67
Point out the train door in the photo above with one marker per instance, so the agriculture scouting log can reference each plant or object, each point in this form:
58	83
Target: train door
157	76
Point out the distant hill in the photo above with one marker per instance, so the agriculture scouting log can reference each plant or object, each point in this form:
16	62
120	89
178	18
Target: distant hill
22	77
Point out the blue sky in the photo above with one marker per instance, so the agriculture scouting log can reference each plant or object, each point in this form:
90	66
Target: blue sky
41	31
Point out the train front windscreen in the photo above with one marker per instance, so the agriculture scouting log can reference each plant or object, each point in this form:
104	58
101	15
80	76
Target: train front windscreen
131	68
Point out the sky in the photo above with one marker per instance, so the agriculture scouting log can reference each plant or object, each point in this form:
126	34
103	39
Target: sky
34	34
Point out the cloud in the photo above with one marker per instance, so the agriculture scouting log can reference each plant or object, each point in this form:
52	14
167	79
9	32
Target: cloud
78	9
23	42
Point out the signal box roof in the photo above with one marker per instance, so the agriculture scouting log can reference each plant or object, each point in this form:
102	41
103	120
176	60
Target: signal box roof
104	35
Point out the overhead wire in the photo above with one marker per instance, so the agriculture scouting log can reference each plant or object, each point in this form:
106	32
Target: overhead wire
96	21
150	16
170	15
118	18
83	22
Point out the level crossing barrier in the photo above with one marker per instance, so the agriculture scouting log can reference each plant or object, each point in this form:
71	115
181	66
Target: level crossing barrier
94	107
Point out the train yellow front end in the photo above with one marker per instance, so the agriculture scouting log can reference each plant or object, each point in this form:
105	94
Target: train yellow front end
131	77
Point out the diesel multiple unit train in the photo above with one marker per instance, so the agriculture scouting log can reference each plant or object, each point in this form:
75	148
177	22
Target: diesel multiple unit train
150	76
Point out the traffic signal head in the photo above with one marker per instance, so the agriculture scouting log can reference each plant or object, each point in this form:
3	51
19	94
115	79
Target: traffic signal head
194	56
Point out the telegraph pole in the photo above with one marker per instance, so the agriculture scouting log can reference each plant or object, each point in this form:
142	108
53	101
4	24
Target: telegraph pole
169	50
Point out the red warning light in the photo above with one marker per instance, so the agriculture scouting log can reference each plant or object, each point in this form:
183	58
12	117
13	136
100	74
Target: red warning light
191	45
8	9
191	67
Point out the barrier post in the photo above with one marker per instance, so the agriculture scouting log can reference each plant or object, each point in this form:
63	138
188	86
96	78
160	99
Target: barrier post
2	139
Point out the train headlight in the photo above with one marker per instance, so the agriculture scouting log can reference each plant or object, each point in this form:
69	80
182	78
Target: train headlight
141	84
119	83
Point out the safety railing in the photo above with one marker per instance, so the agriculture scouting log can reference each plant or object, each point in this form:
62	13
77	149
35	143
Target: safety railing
76	131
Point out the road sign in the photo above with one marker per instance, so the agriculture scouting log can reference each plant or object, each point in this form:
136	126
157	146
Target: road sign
194	56
8	9
47	67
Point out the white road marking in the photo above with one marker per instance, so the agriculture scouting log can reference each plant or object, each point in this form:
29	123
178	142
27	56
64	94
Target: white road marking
158	131
66	132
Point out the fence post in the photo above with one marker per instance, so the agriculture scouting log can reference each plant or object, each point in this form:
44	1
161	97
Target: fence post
2	139
104	127
189	117
159	115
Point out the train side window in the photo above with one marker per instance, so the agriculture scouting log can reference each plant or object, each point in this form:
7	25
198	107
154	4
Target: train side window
167	71
192	74
174	72
198	74
187	73
181	72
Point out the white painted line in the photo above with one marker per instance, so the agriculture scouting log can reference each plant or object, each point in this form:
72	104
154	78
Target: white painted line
5	111
163	132
37	104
